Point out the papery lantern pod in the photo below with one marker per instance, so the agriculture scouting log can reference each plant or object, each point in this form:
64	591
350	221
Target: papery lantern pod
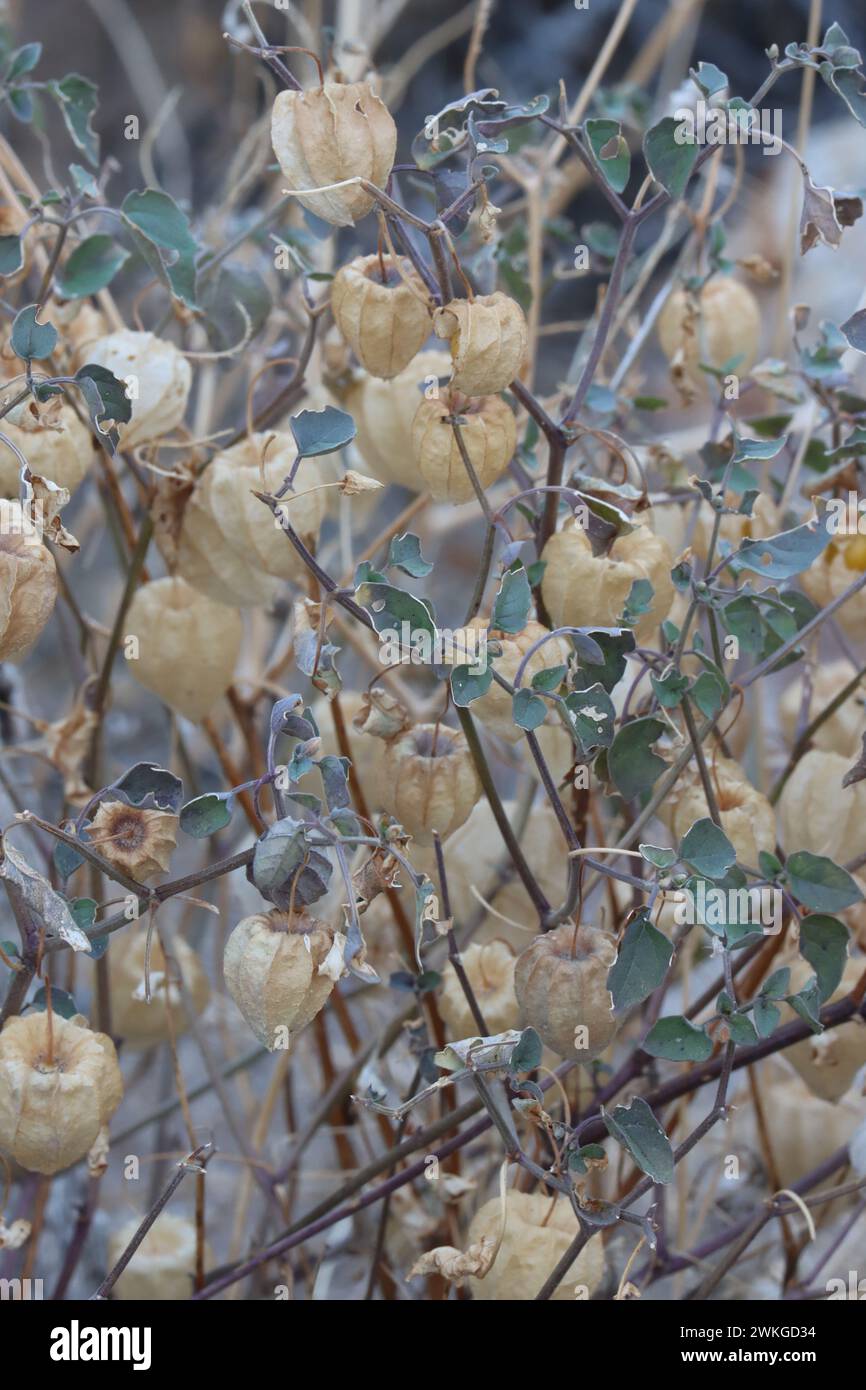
561	985
834	571
164	1265
59	1086
55	443
158	378
828	1062
720	323
380	306
187	645
138	841
817	813
488	339
231	546
495	707
581	589
539	1228
842	731
427	781
489	968
329	134
806	1130
279	969
139	1022
489	435
28	582
747	818
384	414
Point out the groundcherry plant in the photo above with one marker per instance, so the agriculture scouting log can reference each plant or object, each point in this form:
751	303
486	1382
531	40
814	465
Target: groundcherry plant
433	850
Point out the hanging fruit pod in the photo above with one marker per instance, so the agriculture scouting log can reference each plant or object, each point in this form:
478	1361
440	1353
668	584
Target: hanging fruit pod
158	379
427	781
488	339
380	306
279	969
489	435
561	985
581	589
188	645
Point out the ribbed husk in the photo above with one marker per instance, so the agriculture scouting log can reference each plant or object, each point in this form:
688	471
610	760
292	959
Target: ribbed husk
834	571
139	842
385	324
561	984
488	339
805	1130
135	1020
271	967
231	545
384	412
817	813
829	1061
489	434
580	588
330	133
51	1113
490	971
494	707
163	1266
62	455
28	586
727	325
188	645
163	377
538	1231
843	730
747	817
427	793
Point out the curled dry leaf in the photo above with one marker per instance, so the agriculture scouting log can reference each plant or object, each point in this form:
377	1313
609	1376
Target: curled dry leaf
36	893
456	1265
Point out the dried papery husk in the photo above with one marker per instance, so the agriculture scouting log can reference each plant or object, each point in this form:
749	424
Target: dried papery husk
385	322
561	983
805	1130
232	546
273	967
722	322
580	589
81	324
334	132
843	730
835	570
188	645
817	813
538	1231
28	583
494	707
747	817
55	443
427	781
58	1090
828	1062
139	842
161	382
734	528
163	1267
490	971
489	435
384	414
138	1022
488	339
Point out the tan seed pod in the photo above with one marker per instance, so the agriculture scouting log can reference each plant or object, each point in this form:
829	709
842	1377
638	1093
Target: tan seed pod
280	969
834	571
494	707
28	584
490	972
163	1267
59	1087
561	984
139	842
384	414
158	379
817	813
334	132
138	1022
427	781
842	731
232	546
580	588
747	817
721	323
806	1130
488	338
384	321
828	1062
538	1231
188	645
489	436
56	445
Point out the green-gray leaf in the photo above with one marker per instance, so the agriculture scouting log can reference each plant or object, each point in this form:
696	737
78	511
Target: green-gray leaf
670	160
322	431
824	944
677	1040
821	884
633	765
161	233
641	965
707	849
92	265
512	603
636	1128
31	339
